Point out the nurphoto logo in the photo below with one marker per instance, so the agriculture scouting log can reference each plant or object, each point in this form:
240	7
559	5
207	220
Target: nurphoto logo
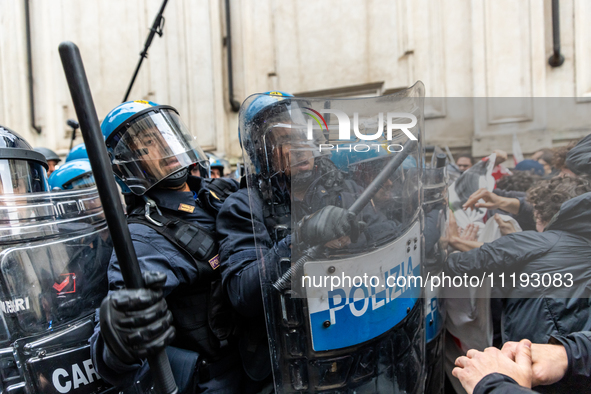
345	129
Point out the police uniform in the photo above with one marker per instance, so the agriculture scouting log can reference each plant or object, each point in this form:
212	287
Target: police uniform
183	291
173	234
240	275
307	214
238	252
55	251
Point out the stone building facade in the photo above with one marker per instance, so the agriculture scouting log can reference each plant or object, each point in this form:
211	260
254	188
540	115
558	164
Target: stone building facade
459	48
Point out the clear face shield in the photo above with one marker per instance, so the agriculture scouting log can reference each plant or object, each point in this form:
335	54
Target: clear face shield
80	182
55	249
54	252
288	151
347	283
398	197
152	147
22	177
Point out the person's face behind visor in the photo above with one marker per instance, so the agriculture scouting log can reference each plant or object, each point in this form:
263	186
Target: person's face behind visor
151	147
154	146
291	152
21	177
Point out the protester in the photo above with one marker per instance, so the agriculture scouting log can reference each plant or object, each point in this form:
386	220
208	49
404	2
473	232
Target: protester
531	166
499	171
477	370
464	161
559	159
519	181
467	239
563	247
544	157
514	203
578	159
539	154
564	363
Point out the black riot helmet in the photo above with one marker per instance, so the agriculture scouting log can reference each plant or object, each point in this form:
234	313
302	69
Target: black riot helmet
49	154
22	169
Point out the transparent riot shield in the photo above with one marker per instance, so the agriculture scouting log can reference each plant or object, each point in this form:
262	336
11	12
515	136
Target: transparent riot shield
54	253
435	207
339	181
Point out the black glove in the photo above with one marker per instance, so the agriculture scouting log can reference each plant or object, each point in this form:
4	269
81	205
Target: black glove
137	323
327	224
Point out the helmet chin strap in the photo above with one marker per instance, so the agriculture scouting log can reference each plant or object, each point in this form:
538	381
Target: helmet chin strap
302	179
175	180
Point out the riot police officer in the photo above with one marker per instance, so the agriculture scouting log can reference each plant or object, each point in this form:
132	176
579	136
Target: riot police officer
217	166
22	169
52	159
294	207
76	174
54	254
172	225
77	152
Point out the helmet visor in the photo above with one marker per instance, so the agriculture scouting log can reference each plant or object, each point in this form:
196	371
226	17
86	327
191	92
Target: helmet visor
80	182
22	176
288	149
154	146
290	143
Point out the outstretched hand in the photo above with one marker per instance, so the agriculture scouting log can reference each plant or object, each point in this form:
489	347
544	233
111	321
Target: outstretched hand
491	200
470	369
506	227
501	156
549	362
470	233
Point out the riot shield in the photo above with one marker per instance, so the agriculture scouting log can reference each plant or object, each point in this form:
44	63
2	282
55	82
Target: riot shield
339	181
54	253
435	207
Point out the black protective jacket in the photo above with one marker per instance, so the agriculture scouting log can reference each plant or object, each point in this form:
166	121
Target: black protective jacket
525	216
246	234
563	249
578	159
576	380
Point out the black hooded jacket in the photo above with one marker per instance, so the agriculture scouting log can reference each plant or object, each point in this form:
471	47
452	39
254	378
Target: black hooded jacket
562	251
576	380
578	159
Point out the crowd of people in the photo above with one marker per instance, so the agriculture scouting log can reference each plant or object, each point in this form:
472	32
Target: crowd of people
543	336
203	302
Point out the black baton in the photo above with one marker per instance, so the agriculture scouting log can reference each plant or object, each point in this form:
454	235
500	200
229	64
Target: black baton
109	195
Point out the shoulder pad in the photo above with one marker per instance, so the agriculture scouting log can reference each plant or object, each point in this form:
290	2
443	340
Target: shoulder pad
221	188
215	191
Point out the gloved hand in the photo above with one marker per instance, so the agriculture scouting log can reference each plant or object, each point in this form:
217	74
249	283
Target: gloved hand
136	323
327	224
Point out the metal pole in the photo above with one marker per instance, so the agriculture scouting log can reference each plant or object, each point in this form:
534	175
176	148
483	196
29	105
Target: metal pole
156	29
30	67
556	60
235	105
